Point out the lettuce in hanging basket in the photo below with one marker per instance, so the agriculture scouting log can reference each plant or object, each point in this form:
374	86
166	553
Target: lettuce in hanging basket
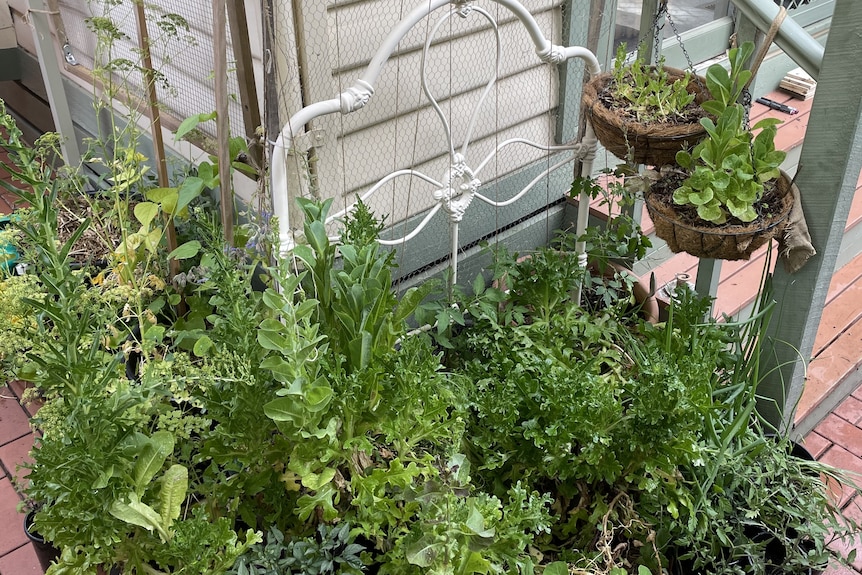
649	93
728	169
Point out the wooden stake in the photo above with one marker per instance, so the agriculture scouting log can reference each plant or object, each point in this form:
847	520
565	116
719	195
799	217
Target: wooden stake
222	121
155	122
245	75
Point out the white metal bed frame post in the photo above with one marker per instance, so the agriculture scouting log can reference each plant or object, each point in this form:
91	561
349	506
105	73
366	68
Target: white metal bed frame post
460	183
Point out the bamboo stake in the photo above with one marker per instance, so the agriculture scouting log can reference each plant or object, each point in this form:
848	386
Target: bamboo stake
222	121
155	122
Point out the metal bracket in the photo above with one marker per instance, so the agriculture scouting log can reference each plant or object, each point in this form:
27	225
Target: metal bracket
69	55
315	138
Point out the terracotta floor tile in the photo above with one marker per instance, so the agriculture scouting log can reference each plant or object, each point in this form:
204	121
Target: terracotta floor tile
854	512
850	410
816	444
840	570
14	421
841	432
12	534
840	458
23	561
18	387
13	455
5	207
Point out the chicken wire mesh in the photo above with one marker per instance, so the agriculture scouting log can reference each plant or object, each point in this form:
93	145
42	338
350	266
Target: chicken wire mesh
790	4
319	49
104	38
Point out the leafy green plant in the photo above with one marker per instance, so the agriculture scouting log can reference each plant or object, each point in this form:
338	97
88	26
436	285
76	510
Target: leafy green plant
460	532
357	307
333	550
646	92
728	169
18	322
765	508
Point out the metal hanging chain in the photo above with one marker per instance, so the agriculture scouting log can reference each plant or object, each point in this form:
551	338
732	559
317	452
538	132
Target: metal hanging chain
658	26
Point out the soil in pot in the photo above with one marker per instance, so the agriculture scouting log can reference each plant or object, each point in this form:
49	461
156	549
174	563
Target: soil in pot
684	231
652	143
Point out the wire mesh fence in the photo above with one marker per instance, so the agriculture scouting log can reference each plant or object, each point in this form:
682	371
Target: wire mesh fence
105	39
790	4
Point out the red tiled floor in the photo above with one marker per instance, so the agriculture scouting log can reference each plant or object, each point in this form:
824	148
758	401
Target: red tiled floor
13	454
11	537
850	410
840	570
21	561
840	432
841	458
853	511
31	406
816	444
14	421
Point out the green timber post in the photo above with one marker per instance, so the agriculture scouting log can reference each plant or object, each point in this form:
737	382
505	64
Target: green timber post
829	169
575	32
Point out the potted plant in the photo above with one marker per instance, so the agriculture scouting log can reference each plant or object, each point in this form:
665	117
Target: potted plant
645	114
553	277
750	500
594	412
727	197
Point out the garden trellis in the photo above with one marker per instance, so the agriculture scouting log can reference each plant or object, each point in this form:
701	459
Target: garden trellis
454	101
184	61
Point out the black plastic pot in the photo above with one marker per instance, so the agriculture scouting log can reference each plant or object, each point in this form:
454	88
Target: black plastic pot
44	550
774	553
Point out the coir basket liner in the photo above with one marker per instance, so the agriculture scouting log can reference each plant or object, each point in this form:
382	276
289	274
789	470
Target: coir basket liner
654	144
729	242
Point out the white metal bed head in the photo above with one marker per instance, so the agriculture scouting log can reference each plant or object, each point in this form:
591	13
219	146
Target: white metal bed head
459	185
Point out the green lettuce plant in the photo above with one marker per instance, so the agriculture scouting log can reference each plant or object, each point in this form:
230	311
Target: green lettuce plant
728	169
646	92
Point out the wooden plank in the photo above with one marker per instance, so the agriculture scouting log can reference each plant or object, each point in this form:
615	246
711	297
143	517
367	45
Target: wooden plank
576	32
219	37
248	97
10	64
831	162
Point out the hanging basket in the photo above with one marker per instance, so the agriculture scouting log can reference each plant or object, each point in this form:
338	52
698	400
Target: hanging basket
653	144
726	242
